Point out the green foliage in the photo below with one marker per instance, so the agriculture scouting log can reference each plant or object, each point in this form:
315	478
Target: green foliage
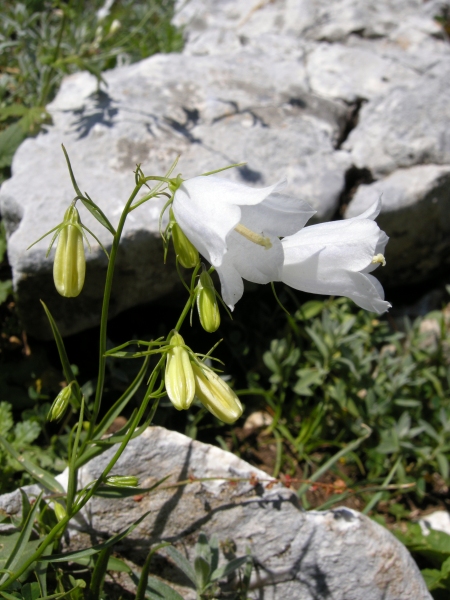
205	573
339	371
433	548
42	41
21	438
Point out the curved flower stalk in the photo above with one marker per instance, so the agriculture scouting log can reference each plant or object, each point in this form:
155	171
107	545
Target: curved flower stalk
237	228
337	258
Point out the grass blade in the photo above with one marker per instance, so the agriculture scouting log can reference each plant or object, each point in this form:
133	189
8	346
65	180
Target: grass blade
77	554
19	548
324	468
118	406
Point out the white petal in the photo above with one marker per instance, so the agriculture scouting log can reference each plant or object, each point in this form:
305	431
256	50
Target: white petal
208	208
348	244
371	213
278	214
363	289
212	190
250	261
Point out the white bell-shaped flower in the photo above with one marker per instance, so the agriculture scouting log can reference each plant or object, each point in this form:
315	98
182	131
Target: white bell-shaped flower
336	258
237	228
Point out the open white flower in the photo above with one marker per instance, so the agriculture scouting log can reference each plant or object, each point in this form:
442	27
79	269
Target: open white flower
336	258
236	228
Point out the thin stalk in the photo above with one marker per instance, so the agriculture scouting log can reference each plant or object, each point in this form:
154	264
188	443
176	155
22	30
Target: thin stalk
73	471
83	501
105	309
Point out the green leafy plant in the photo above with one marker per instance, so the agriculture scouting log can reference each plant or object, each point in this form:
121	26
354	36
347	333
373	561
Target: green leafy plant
431	548
339	371
205	573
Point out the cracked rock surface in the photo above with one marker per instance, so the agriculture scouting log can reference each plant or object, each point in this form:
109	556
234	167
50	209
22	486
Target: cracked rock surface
339	554
303	90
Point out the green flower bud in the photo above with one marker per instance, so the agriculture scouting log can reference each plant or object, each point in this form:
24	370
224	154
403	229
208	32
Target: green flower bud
122	480
187	253
179	378
216	395
60	403
60	511
70	264
207	305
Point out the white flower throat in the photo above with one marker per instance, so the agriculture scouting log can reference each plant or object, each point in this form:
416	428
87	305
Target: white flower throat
256	238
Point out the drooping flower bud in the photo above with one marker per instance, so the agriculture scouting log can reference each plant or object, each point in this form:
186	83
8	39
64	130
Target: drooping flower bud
70	264
60	403
216	395
187	254
207	305
60	511
122	480
179	378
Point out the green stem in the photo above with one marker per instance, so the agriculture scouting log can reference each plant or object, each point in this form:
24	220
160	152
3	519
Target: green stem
77	506
73	471
105	309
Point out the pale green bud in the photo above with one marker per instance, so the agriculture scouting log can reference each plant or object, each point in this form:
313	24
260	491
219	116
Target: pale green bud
60	403
216	395
115	26
187	253
122	480
207	305
60	511
70	264
179	378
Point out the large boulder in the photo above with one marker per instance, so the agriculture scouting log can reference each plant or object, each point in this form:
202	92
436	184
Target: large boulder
339	554
324	95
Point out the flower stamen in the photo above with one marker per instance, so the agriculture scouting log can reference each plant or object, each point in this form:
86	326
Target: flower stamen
379	258
256	238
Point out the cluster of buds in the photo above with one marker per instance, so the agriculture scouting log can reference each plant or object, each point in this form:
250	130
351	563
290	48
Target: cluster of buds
186	377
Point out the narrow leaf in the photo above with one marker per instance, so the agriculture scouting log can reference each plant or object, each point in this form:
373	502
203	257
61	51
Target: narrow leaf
230	567
97	213
324	468
42	477
120	404
182	562
67	368
17	555
143	579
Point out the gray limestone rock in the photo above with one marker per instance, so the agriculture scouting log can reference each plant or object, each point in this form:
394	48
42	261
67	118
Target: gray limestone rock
213	112
337	554
303	90
407	126
353	73
318	20
416	216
